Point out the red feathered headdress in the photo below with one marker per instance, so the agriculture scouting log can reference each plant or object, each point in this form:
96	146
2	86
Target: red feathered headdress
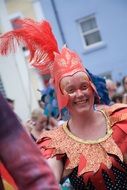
38	38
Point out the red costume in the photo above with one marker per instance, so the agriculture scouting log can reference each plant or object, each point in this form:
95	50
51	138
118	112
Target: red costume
96	164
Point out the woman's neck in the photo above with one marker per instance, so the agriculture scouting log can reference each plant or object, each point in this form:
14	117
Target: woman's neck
84	119
88	127
91	126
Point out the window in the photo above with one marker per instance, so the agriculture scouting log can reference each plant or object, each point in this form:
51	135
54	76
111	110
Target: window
2	90
90	32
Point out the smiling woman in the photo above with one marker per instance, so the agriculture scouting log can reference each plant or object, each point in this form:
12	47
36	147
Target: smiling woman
90	148
79	90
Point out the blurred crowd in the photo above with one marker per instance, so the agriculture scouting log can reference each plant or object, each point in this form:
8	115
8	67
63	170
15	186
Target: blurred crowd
117	90
47	115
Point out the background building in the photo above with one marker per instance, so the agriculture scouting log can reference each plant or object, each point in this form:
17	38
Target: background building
18	81
95	29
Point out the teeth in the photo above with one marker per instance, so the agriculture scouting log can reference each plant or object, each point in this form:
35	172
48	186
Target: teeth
83	101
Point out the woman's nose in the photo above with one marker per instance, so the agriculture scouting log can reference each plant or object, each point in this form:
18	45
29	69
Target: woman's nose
79	92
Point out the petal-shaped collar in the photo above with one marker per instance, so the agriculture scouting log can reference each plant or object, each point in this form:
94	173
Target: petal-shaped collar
86	155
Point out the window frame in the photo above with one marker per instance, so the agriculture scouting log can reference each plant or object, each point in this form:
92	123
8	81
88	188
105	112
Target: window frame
94	46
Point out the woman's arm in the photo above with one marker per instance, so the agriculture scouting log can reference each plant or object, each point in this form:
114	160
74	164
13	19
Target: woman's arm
57	167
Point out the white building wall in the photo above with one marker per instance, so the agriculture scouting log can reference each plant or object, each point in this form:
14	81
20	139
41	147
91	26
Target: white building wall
16	75
38	10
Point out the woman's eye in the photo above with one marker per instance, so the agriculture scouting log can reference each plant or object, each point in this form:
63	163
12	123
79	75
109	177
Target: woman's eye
70	91
84	87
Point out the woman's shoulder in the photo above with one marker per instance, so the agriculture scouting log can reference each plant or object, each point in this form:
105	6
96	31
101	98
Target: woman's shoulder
116	113
52	133
110	109
50	142
117	117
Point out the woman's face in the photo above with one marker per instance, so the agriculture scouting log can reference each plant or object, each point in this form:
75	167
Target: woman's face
80	92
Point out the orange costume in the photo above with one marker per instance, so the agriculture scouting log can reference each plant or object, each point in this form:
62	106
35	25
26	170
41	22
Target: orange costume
93	164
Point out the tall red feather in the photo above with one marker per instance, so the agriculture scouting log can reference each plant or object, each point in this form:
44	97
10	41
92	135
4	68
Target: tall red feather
37	37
